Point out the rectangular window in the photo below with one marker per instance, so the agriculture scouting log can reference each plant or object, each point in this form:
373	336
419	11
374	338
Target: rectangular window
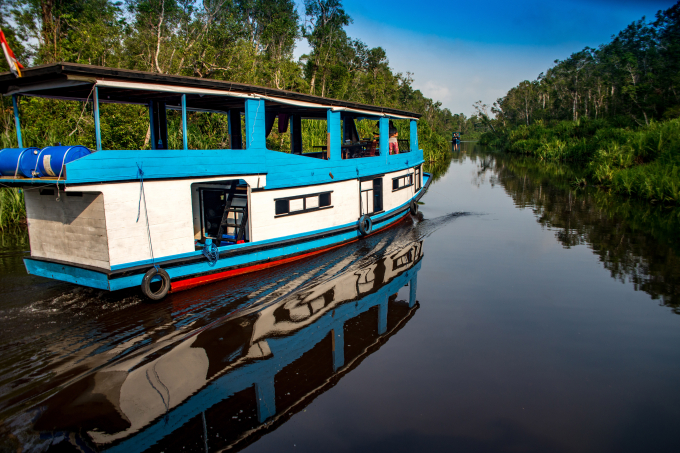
311	202
303	203
297	205
401	182
325	199
377	195
360	137
282	207
400	136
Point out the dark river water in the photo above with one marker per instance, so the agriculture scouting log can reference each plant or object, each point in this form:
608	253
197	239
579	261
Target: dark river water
519	313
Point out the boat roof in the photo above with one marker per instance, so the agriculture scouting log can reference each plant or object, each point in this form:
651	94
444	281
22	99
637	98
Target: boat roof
71	81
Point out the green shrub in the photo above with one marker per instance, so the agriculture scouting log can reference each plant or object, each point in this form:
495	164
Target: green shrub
12	208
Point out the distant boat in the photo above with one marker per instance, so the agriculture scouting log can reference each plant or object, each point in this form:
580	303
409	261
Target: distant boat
168	220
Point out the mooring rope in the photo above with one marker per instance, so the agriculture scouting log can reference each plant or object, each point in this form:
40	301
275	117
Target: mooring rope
142	194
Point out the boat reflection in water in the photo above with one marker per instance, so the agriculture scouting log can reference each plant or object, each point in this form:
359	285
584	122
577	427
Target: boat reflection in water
241	376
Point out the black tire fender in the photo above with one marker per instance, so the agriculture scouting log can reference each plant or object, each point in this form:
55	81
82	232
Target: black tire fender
365	225
413	207
149	277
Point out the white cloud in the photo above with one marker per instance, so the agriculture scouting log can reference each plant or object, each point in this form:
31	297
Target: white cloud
435	91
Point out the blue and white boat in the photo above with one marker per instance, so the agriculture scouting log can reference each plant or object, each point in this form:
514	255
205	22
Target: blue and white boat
171	219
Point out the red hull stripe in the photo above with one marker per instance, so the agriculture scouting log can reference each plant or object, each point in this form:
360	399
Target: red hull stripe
189	283
202	280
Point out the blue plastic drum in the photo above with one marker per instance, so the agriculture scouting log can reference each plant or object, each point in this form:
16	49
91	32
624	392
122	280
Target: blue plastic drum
10	161
52	158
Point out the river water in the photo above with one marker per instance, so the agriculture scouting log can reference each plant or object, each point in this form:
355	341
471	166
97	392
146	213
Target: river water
520	312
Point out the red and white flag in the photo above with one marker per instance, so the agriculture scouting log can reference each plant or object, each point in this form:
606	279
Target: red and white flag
14	65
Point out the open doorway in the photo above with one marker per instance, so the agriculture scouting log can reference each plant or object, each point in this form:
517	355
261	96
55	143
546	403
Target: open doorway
220	211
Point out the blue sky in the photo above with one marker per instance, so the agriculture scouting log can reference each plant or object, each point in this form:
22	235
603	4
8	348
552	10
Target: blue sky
462	52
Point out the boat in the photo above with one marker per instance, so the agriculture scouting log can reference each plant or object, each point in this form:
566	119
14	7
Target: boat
230	382
167	220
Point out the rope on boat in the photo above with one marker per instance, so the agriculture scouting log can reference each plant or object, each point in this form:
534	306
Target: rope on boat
210	252
60	170
142	194
37	163
19	160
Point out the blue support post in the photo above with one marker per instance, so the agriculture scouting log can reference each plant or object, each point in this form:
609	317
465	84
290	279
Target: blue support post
414	135
334	139
413	287
185	139
151	126
97	129
17	123
384	137
338	334
266	399
255	135
382	316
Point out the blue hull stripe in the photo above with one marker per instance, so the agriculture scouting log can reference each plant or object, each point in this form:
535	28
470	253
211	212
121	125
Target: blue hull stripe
67	273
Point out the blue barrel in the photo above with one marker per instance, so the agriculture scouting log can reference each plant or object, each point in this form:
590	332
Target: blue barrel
11	158
52	158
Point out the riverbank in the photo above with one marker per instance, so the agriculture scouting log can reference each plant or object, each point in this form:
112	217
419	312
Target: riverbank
642	163
12	208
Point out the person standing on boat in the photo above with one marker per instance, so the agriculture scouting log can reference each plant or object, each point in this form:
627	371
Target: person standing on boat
394	143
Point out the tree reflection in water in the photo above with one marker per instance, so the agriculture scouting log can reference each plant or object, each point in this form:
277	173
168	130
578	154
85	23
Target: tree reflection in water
635	241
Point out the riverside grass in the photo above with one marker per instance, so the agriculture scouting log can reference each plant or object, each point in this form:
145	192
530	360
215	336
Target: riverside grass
642	163
12	207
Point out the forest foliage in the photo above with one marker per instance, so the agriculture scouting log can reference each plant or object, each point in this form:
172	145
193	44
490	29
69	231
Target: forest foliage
615	107
247	41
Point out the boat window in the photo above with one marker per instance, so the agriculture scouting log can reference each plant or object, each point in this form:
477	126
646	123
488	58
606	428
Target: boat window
123	126
419	177
205	130
279	128
315	138
400	136
300	204
282	207
360	137
401	182
325	199
291	133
